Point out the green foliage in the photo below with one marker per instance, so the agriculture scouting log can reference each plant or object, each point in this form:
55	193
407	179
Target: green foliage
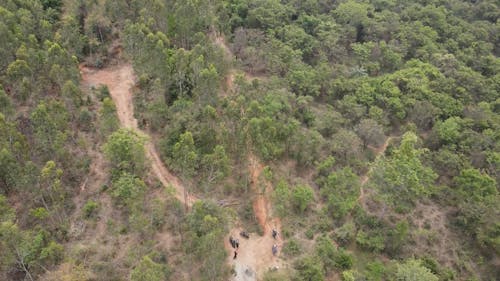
340	190
52	254
291	248
205	226
308	269
476	185
402	178
148	270
343	260
326	252
412	270
125	150
371	241
50	122
322	78
128	189
449	130
216	164
90	208
370	132
185	155
397	237
346	233
9	170
108	119
348	275
281	198
375	271
6	212
302	196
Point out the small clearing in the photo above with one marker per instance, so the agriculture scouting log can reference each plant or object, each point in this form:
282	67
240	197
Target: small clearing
255	255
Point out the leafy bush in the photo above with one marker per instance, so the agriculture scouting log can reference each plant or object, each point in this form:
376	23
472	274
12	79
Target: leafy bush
148	270
302	196
291	248
90	209
308	269
128	189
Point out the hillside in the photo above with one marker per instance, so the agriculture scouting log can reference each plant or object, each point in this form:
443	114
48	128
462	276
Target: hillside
137	138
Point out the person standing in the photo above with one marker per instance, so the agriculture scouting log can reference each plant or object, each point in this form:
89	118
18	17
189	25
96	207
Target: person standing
275	249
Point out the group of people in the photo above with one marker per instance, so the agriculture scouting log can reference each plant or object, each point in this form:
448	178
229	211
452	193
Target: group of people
274	249
235	243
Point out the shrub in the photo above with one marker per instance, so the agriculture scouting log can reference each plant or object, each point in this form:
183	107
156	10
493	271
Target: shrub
90	209
148	270
302	196
291	248
343	260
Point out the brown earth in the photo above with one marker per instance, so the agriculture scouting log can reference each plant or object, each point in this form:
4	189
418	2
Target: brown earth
255	254
120	80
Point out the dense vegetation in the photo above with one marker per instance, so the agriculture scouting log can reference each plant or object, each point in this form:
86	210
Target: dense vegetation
321	89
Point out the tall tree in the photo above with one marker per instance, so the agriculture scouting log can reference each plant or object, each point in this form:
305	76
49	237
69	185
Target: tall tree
403	177
125	150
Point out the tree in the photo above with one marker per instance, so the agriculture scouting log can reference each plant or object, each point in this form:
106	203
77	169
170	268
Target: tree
125	150
308	269
306	146
205	226
302	196
51	194
128	189
326	252
108	119
50	122
412	270
370	132
9	170
148	270
340	190
403	178
281	198
475	185
346	144
216	164
448	131
185	156
6	107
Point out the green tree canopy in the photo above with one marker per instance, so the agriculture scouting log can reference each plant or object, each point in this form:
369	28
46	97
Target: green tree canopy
125	150
412	270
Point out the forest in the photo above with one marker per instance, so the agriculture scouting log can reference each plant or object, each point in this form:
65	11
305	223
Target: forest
354	140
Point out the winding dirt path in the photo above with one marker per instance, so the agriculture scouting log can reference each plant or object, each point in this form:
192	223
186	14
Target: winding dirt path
120	80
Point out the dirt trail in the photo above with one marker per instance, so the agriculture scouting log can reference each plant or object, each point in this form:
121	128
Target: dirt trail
255	254
364	179
219	40
120	80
